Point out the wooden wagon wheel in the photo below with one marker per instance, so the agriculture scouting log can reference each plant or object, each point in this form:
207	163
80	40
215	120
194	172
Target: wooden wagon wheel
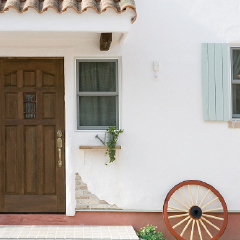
195	210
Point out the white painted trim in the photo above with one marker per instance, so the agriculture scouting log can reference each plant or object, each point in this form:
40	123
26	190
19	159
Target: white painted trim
230	82
120	92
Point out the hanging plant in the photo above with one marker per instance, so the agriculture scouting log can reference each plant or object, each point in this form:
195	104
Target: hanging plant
111	144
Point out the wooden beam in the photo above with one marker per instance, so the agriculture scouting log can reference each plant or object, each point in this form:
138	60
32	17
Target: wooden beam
105	41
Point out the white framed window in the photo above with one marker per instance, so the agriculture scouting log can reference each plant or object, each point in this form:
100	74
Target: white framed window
235	82
97	94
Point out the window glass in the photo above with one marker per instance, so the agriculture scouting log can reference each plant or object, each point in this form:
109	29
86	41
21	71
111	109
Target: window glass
29	102
97	76
236	98
236	64
97	111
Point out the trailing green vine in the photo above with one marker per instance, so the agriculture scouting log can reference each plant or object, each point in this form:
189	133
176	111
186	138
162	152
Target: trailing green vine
112	143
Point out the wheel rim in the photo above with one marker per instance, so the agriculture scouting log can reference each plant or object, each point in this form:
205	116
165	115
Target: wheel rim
195	210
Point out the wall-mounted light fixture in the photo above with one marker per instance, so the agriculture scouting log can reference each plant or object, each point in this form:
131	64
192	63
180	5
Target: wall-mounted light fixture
155	69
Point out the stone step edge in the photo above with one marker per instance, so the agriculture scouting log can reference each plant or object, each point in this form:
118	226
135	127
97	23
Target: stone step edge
72	232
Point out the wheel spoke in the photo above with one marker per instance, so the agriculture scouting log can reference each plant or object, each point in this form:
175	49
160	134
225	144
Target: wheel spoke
197	195
210	202
204	197
205	228
180	215
210	223
211	216
184	198
185	219
191	236
178	209
190	194
213	210
180	202
199	230
186	227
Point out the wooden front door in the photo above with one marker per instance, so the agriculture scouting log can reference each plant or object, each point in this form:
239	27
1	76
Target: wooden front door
32	112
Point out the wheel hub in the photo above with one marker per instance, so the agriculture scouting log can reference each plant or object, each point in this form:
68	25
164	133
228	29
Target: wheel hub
195	212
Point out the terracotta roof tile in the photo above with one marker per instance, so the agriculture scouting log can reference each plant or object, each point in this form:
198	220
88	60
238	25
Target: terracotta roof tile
60	6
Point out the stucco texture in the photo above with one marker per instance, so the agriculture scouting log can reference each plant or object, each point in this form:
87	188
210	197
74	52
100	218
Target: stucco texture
165	139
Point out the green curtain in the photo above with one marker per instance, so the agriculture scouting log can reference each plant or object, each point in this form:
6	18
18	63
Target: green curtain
97	77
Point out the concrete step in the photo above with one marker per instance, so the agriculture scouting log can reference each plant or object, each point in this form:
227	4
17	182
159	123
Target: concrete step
70	232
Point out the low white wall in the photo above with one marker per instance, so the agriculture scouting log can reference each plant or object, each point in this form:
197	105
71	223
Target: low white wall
165	139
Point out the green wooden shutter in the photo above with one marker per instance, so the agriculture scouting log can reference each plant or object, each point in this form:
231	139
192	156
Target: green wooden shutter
215	81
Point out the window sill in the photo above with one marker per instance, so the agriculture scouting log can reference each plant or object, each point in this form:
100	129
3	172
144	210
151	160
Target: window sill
234	124
96	147
90	147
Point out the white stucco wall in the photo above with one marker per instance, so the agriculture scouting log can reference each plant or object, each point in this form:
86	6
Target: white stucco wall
165	139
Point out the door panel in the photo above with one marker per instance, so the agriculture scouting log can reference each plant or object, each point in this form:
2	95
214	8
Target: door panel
29	78
49	105
11	105
49	132
30	203
30	156
11	160
10	79
32	98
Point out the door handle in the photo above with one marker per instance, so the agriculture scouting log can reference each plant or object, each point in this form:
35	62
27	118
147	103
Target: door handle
59	146
59	157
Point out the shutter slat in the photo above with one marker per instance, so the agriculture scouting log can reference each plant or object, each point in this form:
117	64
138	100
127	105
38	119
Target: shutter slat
205	80
225	83
211	81
219	81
